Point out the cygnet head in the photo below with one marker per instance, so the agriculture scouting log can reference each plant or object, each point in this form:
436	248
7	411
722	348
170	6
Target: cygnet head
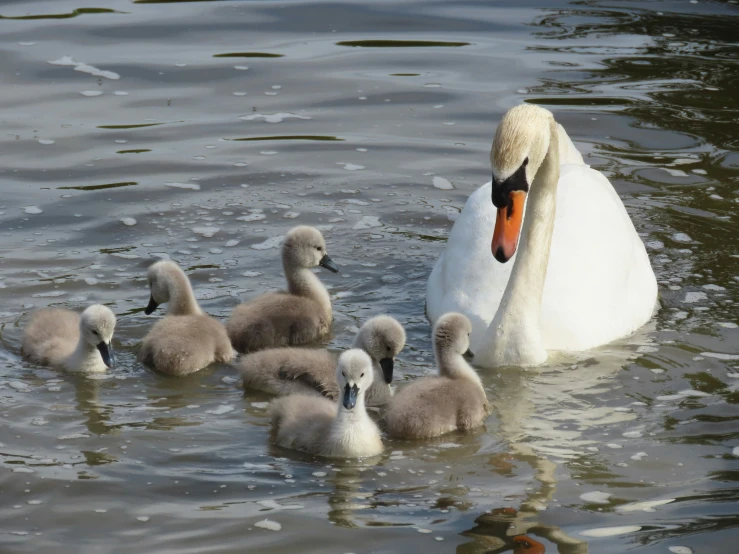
520	145
305	247
97	324
452	335
382	337
354	375
161	276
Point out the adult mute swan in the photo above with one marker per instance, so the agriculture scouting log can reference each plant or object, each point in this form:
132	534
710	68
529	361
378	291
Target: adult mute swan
582	277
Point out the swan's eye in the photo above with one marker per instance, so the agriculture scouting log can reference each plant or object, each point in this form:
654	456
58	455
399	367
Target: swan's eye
319	248
361	375
343	375
94	332
388	349
525	162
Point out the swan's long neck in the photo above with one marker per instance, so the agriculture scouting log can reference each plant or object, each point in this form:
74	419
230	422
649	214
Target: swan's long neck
303	282
514	336
181	297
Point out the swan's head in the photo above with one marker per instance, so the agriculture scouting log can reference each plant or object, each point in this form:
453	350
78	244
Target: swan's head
161	276
452	335
519	148
305	247
382	337
354	375
97	324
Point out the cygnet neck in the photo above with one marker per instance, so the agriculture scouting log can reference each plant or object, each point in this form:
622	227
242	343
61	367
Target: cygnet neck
301	281
181	297
453	366
85	356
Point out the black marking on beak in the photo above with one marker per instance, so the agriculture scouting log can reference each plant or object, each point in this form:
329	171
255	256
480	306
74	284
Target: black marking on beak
329	264
468	354
106	352
350	396
151	307
387	369
502	190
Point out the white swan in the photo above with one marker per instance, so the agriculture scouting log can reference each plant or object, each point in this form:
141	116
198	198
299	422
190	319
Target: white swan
582	277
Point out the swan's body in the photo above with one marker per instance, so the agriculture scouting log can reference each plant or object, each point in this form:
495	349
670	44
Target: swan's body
582	276
66	339
286	371
336	430
453	401
187	339
298	316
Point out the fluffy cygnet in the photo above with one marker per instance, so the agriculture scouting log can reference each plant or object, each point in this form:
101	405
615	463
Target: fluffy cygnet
319	426
300	315
186	340
454	401
307	371
66	339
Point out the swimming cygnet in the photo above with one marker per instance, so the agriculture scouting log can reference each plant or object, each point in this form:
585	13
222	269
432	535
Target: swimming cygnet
300	315
308	371
333	429
66	339
454	401
187	339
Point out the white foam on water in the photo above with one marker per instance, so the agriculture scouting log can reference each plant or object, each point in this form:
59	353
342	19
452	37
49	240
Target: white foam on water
23	470
143	518
231	243
639	455
190	186
647	506
272	242
290	215
711	286
251	217
33	210
351	167
73	436
689	393
681	237
19	386
367	222
120	93
273	117
241	67
251	273
682	549
91	93
441	183
45	141
206	231
268	524
220	410
720	356
693	297
728	324
655	244
50	294
268	152
596	497
85	68
735	451
610	531
128	221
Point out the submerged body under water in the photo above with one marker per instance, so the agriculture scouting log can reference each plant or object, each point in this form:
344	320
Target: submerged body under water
202	131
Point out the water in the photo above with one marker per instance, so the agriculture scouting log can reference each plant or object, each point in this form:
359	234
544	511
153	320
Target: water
204	130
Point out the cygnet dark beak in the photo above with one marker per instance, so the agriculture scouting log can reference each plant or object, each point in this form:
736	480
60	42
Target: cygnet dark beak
329	264
151	307
387	369
106	352
468	354
350	396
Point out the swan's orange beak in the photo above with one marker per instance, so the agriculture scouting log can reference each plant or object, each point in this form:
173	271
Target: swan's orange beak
508	227
526	545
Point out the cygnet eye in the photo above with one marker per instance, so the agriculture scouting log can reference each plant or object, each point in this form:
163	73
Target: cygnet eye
319	248
361	375
343	375
94	332
388	349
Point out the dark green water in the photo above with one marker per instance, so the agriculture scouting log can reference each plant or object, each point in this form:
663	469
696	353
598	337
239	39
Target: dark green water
201	130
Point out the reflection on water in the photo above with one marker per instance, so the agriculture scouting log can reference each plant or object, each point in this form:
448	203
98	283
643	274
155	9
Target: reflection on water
384	118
